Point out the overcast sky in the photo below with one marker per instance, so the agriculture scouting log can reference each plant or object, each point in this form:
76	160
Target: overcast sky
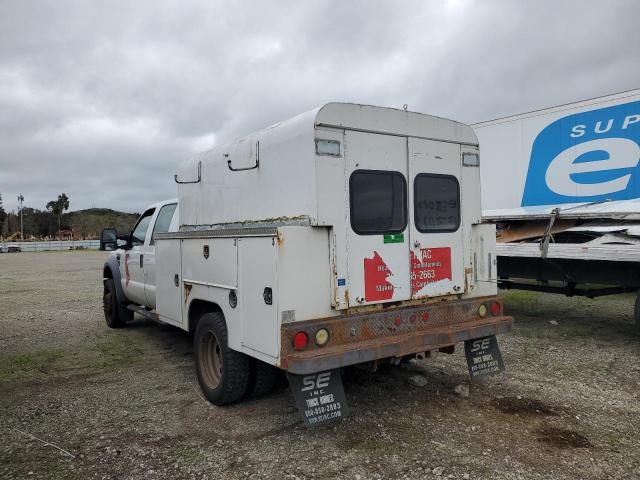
102	100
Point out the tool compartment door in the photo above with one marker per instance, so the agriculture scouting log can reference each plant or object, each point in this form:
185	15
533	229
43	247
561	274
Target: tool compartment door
435	216
258	263
377	217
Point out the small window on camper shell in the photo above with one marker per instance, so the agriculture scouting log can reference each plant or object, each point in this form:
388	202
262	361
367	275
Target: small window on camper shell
436	203
378	200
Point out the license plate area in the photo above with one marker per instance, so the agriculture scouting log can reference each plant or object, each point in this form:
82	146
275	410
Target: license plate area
319	397
483	356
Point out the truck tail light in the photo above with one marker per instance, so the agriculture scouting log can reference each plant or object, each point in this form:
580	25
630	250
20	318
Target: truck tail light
496	309
300	341
322	337
482	310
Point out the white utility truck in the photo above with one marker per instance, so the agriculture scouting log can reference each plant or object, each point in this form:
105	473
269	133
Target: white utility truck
347	235
563	186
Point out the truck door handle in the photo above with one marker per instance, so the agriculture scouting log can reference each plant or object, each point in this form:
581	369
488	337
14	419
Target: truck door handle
141	262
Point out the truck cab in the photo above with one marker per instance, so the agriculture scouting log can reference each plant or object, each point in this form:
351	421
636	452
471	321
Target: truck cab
132	266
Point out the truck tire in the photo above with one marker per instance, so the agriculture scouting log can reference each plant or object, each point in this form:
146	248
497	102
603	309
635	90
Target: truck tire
223	374
115	314
263	378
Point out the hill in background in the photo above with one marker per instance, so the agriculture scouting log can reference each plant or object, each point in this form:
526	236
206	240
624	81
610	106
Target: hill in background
90	222
86	224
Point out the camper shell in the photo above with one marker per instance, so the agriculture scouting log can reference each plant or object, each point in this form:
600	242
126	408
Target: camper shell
316	222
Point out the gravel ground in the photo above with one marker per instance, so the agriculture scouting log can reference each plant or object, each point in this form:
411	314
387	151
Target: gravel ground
78	400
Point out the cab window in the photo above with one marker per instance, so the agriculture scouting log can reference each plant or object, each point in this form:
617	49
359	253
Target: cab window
377	202
163	222
140	231
436	203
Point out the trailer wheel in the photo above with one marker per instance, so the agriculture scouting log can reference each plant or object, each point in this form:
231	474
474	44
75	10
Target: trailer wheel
262	379
115	314
223	374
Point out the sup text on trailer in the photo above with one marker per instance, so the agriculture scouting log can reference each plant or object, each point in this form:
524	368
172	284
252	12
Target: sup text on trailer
347	235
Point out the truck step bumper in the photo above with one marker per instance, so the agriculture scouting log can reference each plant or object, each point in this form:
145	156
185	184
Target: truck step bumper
388	343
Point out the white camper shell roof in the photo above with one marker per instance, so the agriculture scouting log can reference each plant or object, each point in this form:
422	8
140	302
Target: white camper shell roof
276	174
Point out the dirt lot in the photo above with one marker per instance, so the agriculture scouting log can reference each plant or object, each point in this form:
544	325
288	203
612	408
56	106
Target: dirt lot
78	400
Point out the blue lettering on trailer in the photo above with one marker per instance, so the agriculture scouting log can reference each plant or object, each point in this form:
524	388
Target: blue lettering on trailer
586	157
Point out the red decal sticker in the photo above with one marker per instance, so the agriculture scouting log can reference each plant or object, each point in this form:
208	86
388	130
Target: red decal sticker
433	265
127	277
376	286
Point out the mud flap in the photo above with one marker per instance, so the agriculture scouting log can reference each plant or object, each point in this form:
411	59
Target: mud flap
319	397
483	356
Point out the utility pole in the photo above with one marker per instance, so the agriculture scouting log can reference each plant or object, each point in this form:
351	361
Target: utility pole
21	200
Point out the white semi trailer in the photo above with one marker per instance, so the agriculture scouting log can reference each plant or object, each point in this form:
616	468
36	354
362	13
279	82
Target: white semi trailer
347	235
563	186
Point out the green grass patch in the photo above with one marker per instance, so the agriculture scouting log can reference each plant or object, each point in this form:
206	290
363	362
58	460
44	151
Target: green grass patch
543	329
108	353
186	454
520	301
584	369
27	366
115	351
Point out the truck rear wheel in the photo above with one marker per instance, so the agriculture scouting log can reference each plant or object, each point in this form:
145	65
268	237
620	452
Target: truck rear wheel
262	379
223	374
115	314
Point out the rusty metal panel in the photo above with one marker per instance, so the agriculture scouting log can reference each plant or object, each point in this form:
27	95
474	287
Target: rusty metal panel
317	360
364	337
350	329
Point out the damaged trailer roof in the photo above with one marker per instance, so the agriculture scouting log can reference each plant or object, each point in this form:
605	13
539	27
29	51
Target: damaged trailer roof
614	210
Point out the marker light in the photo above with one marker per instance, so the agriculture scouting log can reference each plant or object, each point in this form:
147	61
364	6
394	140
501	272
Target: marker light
322	337
300	341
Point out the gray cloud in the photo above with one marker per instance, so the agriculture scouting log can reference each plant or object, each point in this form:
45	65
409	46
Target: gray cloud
102	100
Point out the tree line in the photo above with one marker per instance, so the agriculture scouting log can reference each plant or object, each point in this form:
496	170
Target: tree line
52	220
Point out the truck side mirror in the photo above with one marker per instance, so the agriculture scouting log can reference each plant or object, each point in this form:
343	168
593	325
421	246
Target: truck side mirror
123	242
108	239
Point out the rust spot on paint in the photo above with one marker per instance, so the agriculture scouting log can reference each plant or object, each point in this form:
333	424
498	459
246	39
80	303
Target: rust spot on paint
187	291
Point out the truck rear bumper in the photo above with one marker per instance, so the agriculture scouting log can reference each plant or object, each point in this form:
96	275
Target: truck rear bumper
389	334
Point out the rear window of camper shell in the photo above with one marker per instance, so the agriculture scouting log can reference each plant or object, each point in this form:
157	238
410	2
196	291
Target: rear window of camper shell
378	202
436	203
